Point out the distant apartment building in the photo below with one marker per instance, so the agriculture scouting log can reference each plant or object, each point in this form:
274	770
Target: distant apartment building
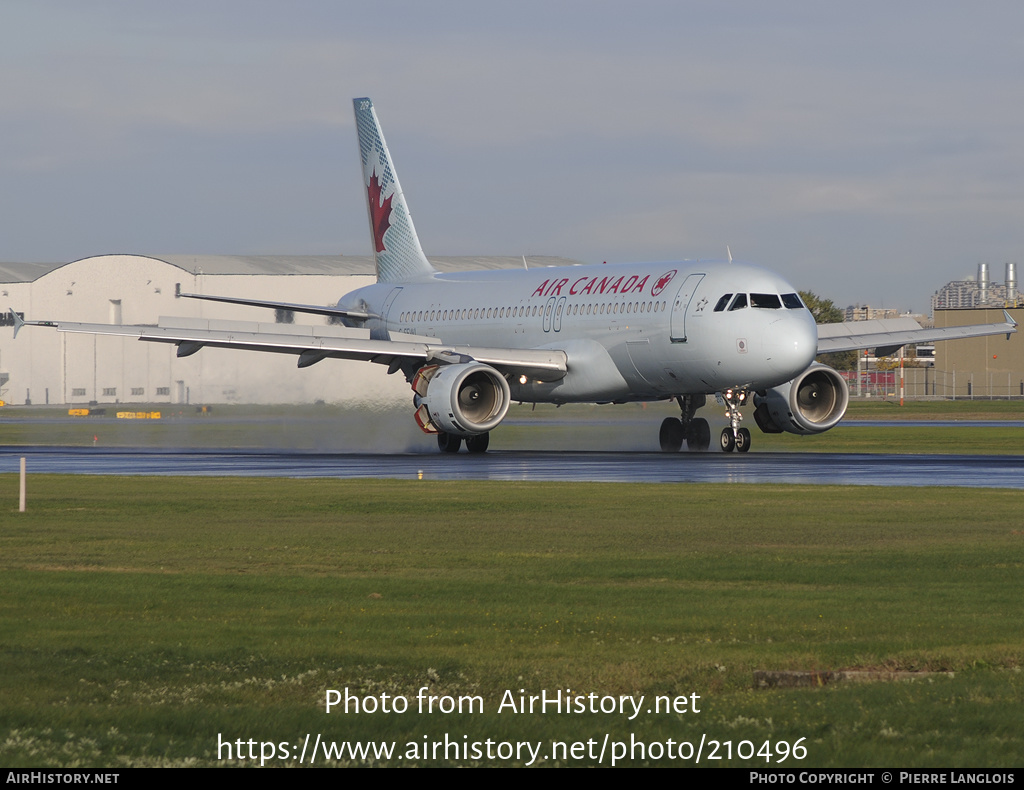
869	313
978	292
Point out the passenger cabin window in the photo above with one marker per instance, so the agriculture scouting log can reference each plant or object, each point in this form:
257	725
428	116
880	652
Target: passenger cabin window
739	302
768	301
792	301
722	303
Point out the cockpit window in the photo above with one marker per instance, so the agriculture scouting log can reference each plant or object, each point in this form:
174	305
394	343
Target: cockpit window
792	301
769	301
722	303
739	302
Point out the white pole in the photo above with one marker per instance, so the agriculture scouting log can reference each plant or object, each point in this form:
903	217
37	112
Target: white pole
901	375
21	488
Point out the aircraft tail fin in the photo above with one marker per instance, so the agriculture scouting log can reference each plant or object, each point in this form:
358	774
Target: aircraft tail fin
396	248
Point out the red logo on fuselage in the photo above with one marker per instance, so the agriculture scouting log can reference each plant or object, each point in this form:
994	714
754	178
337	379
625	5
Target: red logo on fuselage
663	281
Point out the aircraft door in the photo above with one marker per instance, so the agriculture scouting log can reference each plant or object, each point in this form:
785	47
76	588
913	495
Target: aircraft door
680	305
387	302
380	332
557	320
549	309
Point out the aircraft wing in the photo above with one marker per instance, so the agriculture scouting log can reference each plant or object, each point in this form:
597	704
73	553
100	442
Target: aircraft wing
314	343
887	336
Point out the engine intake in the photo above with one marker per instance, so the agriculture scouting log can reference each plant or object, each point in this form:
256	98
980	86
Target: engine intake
813	402
464	400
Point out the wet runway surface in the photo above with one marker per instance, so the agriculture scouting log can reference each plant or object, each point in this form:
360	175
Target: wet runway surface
806	468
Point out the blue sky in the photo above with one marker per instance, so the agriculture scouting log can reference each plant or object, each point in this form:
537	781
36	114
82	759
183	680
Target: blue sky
869	152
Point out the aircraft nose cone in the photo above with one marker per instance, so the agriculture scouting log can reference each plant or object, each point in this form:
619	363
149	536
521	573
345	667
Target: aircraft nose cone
791	343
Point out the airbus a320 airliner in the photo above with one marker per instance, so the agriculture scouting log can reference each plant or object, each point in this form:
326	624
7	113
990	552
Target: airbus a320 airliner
471	343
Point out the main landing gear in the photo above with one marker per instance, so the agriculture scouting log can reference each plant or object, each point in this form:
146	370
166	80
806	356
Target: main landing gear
695	431
734	437
449	443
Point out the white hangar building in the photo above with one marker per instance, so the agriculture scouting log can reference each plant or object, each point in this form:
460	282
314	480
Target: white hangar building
46	366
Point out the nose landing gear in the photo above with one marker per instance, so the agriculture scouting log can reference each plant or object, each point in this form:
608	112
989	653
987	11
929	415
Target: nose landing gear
734	437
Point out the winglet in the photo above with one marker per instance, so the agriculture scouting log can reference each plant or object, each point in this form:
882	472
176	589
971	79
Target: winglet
396	247
19	322
1009	320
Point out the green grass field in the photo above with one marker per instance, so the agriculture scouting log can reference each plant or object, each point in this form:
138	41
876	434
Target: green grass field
141	618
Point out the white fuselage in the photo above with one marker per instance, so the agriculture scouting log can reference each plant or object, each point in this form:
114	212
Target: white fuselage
629	331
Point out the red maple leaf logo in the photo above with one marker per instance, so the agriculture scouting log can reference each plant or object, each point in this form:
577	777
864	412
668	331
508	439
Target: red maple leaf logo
380	213
664	280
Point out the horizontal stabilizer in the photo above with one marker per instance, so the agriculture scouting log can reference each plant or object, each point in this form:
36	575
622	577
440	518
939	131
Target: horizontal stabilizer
312	309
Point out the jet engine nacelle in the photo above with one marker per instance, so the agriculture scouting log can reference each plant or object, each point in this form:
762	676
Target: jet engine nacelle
813	402
464	400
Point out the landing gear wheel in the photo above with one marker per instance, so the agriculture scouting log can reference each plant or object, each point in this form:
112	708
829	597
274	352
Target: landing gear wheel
478	444
742	440
447	443
728	440
671	435
698	439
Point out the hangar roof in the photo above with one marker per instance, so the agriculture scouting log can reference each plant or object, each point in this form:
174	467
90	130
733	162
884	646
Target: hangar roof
293	264
25	272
